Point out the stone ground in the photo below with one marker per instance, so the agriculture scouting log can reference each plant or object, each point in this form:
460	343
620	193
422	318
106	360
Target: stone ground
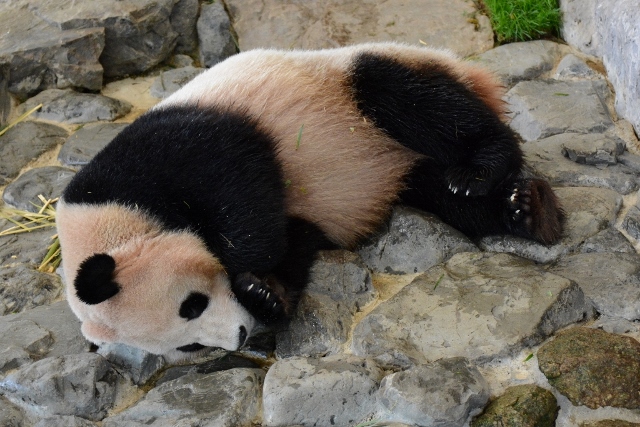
421	326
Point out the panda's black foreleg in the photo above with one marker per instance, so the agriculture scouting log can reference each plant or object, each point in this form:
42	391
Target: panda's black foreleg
273	296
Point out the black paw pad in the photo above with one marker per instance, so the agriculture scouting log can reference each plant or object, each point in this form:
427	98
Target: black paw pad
534	211
258	298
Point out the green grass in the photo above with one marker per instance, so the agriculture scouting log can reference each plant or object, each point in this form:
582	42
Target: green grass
521	20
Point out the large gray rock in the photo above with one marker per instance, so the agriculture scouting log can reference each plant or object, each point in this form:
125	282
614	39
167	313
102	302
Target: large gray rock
214	34
413	241
25	248
22	287
170	81
546	159
10	415
610	280
138	364
72	107
335	390
183	20
535	107
79	384
442	393
515	62
85	143
48	181
40	56
579	25
138	33
476	305
223	399
312	25
25	142
22	341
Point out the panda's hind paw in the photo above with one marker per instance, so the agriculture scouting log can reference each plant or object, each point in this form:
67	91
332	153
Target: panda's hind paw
261	300
468	182
535	212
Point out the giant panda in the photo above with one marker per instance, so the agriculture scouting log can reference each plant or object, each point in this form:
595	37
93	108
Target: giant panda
203	216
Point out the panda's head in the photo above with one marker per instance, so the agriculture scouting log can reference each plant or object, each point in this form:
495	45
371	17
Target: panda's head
160	291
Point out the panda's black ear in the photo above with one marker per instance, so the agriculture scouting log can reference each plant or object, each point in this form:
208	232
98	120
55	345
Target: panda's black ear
94	282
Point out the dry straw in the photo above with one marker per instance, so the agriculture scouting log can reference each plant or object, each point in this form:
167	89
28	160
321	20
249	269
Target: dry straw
26	221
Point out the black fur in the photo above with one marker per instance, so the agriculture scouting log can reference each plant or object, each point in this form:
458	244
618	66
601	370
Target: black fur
94	282
193	306
473	161
208	171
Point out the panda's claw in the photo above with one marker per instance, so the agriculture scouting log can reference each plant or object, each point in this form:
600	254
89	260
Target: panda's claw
258	298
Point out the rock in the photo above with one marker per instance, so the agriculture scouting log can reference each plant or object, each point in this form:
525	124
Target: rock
137	364
631	161
610	280
72	107
22	287
225	362
545	159
610	423
226	399
47	181
343	277
260	23
25	248
138	34
40	56
572	67
579	26
319	327
214	34
25	142
631	222
476	305
593	150
615	325
10	416
593	368
523	405
412	242
64	421
181	61
22	341
170	81
85	143
183	21
535	105
335	390
78	384
515	62
440	393
57	320
608	240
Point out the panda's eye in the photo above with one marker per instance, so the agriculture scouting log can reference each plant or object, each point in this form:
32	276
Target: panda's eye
192	307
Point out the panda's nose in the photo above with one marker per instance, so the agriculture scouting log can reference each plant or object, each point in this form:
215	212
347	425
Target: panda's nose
242	336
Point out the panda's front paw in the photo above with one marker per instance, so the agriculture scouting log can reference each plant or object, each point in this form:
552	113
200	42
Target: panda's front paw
258	298
468	181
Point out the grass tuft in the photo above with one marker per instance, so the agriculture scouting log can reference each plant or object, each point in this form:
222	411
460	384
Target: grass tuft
26	221
522	20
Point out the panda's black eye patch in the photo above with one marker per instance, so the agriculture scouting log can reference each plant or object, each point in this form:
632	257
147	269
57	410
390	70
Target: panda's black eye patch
192	307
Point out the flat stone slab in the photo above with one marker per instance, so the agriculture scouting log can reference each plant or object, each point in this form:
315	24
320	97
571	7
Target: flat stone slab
515	62
71	107
593	368
413	241
226	399
536	106
170	81
477	305
48	181
334	390
79	384
313	25
610	280
546	159
25	142
440	393
594	150
86	142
